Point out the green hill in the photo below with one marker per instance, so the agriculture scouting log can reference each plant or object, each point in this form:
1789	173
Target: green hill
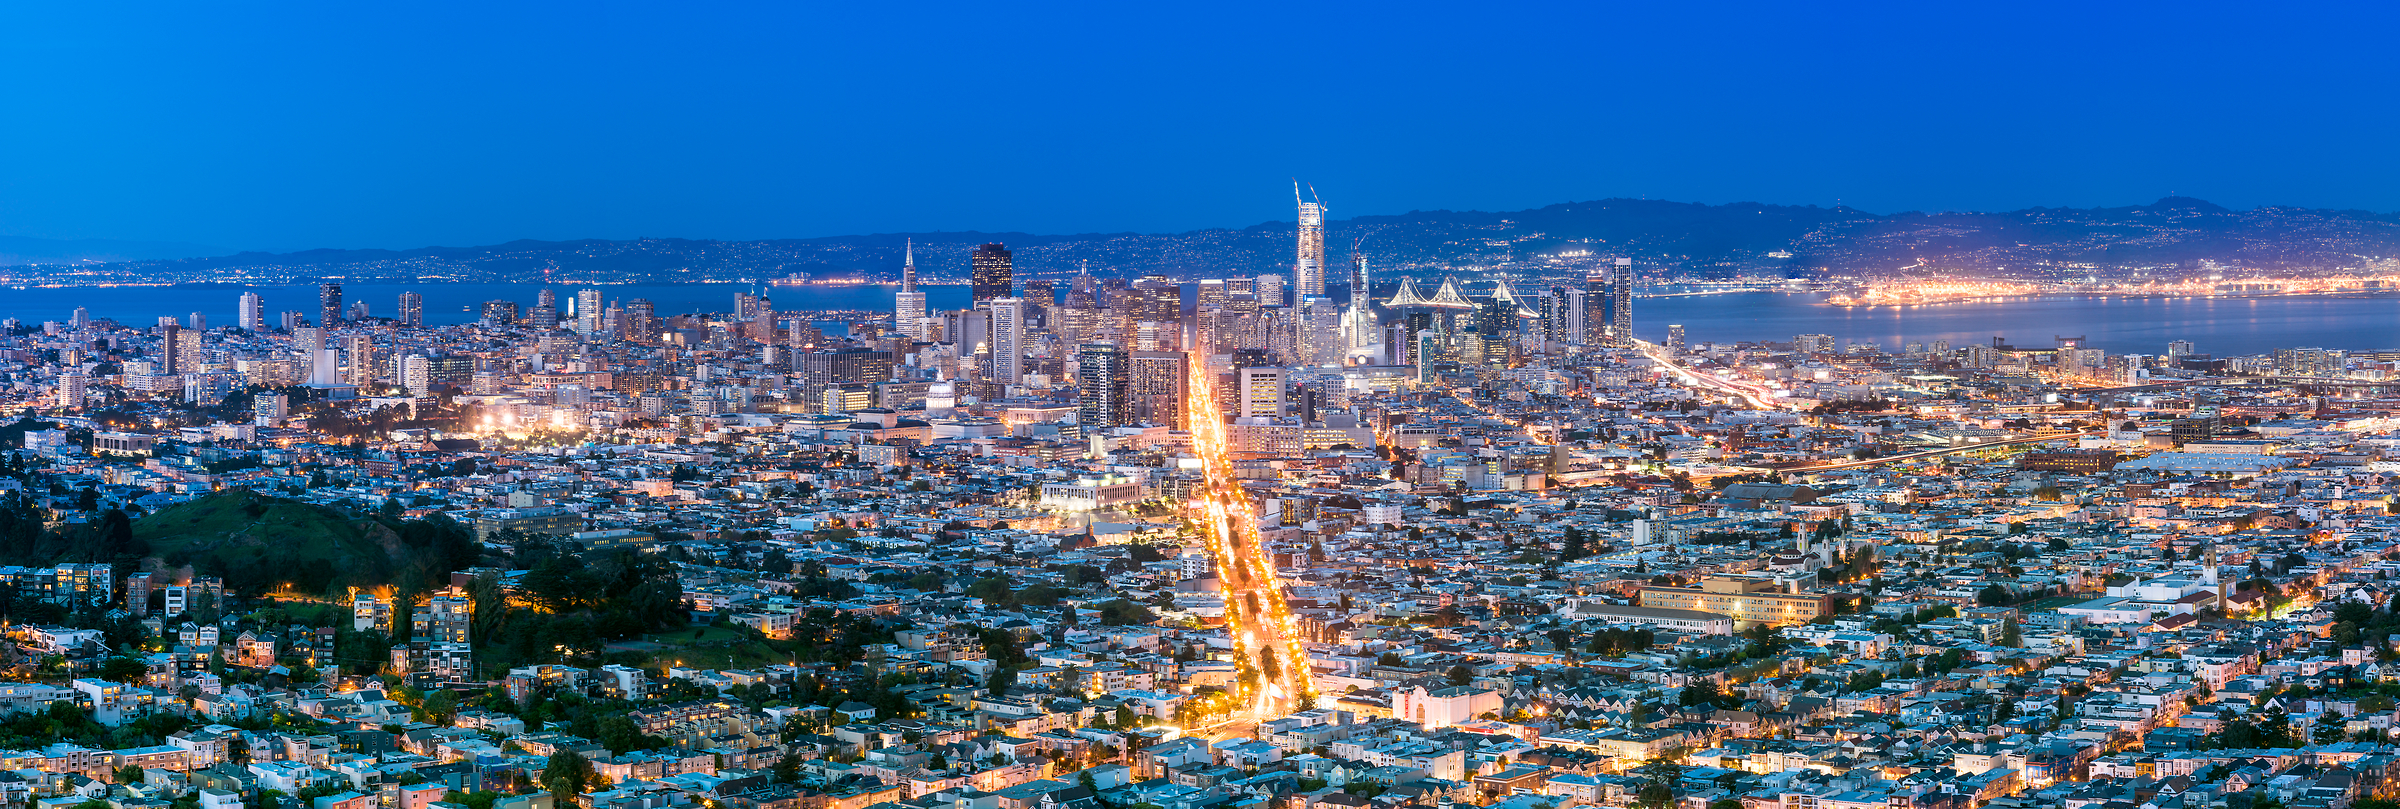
258	543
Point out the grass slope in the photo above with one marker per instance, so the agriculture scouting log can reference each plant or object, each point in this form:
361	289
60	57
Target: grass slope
257	542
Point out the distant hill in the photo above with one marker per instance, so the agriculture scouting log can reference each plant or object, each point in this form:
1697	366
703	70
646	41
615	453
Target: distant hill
16	250
1669	238
259	543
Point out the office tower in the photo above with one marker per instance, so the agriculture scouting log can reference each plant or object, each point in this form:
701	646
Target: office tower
1813	344
588	312
1308	269
1105	382
640	321
1620	297
763	326
819	370
1551	317
745	306
70	390
1261	391
1320	331
412	310
1040	295
253	312
1211	294
170	348
1574	309
1156	386
1283	335
1432	353
1156	311
1399	344
329	305
1597	308
908	306
1082	290
1358	319
1360	288
199	322
1269	290
1675	338
991	275
1007	344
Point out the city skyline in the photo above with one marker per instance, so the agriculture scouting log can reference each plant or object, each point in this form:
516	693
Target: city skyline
1610	503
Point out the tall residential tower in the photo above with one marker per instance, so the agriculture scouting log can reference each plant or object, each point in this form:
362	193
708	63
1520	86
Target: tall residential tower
1620	297
254	312
329	305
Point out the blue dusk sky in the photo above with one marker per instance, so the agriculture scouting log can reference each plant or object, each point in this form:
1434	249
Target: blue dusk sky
284	127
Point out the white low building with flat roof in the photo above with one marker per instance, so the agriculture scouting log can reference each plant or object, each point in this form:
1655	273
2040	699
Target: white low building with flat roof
1706	623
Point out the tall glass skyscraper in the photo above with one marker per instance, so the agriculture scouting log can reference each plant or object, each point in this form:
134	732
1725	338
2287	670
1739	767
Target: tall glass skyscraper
992	277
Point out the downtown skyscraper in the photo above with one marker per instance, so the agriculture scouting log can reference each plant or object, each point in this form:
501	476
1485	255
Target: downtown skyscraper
908	306
991	276
1104	381
1308	269
1620	298
1156	386
1008	340
329	305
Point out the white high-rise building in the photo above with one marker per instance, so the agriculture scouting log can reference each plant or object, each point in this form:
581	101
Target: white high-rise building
416	373
1008	340
1308	270
324	367
70	390
253	313
587	312
908	306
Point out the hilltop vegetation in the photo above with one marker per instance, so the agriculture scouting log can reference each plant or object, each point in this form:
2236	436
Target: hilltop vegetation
257	543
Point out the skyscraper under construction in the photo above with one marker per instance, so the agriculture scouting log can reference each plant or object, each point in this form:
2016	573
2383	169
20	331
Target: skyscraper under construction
1308	270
